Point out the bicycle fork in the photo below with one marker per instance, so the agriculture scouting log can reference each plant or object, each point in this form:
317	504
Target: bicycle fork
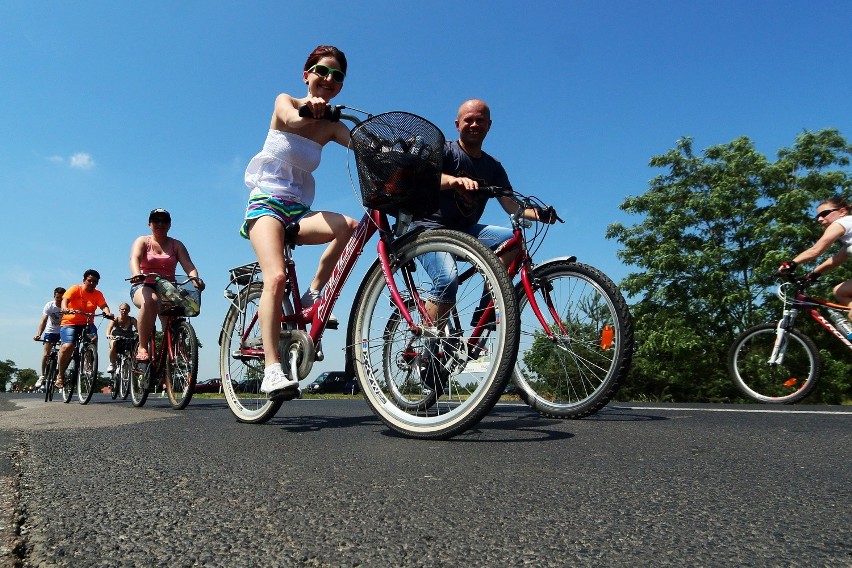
780	347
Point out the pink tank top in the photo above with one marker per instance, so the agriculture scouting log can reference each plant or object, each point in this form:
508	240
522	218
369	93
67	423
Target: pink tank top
162	264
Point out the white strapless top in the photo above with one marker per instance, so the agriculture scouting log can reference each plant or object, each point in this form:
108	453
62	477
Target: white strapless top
283	168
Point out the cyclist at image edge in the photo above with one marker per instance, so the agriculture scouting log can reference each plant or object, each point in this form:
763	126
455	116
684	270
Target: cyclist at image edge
85	298
833	214
48	329
282	190
157	253
122	325
466	167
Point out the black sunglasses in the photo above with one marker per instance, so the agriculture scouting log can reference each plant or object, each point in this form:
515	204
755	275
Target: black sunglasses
826	213
324	70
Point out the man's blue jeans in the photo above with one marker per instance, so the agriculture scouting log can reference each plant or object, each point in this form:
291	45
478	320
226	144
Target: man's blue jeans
441	267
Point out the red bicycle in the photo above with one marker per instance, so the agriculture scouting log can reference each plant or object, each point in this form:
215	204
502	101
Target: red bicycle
398	352
175	362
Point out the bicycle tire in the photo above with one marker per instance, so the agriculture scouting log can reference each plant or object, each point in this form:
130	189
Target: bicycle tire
70	379
242	375
87	373
125	366
469	388
775	384
140	381
182	370
577	373
50	376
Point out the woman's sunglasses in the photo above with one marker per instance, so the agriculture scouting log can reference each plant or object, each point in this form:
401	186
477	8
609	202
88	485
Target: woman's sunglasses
324	70
826	213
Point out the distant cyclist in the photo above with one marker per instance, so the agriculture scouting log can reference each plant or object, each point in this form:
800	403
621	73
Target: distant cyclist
122	326
84	298
48	329
157	253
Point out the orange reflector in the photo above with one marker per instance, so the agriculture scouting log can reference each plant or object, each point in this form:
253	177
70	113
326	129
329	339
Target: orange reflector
606	337
791	382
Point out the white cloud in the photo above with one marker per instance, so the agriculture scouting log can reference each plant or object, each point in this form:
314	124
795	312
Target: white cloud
58	159
82	161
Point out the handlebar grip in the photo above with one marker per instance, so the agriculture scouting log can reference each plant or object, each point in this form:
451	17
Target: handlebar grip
332	113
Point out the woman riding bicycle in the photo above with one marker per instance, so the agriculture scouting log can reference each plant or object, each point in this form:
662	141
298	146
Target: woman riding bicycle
157	253
120	330
78	298
834	215
282	191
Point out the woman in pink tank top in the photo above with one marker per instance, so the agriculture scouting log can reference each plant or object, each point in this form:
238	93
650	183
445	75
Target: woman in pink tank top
160	254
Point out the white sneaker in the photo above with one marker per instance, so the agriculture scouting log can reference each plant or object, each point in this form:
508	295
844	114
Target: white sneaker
275	379
39	382
110	369
310	298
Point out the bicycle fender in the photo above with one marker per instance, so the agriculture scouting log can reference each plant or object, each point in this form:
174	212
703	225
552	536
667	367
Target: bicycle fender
556	260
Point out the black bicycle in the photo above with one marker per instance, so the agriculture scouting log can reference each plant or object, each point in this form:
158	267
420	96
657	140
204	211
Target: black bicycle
82	370
50	369
123	371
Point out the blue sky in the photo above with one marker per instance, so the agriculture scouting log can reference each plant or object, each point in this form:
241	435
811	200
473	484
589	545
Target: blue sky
110	109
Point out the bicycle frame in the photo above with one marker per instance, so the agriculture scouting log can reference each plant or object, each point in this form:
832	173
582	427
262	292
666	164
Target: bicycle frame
316	316
804	302
522	264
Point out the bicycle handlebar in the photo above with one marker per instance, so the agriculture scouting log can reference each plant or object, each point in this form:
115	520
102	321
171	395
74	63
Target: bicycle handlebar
92	315
144	275
332	113
524	201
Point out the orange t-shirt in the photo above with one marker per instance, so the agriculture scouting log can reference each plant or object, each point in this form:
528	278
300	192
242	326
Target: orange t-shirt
79	299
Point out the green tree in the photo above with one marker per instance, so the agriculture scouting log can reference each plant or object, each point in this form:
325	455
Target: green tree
714	229
7	373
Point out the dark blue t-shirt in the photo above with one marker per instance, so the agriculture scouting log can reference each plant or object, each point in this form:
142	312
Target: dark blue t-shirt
461	209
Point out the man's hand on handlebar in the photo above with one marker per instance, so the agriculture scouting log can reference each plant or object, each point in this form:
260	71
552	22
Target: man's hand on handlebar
547	215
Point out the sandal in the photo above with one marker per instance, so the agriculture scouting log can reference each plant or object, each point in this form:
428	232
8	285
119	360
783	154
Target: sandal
142	356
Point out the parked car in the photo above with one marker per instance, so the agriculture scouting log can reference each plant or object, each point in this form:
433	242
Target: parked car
329	382
208	386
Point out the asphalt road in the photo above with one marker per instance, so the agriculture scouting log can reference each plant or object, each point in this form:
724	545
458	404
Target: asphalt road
325	484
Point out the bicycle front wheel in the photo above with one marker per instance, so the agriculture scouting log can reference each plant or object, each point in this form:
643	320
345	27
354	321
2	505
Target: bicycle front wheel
50	378
125	366
182	371
241	361
438	383
576	371
70	379
789	380
87	376
141	376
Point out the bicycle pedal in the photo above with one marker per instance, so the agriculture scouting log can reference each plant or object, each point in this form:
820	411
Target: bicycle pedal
285	394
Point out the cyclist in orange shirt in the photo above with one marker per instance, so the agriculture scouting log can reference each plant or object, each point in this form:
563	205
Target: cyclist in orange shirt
85	298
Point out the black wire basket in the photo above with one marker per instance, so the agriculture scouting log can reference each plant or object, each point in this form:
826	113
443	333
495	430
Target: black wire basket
399	157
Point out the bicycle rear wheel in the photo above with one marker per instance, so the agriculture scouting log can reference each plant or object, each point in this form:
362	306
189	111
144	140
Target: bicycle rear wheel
50	377
465	375
87	376
791	380
577	371
182	371
241	361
